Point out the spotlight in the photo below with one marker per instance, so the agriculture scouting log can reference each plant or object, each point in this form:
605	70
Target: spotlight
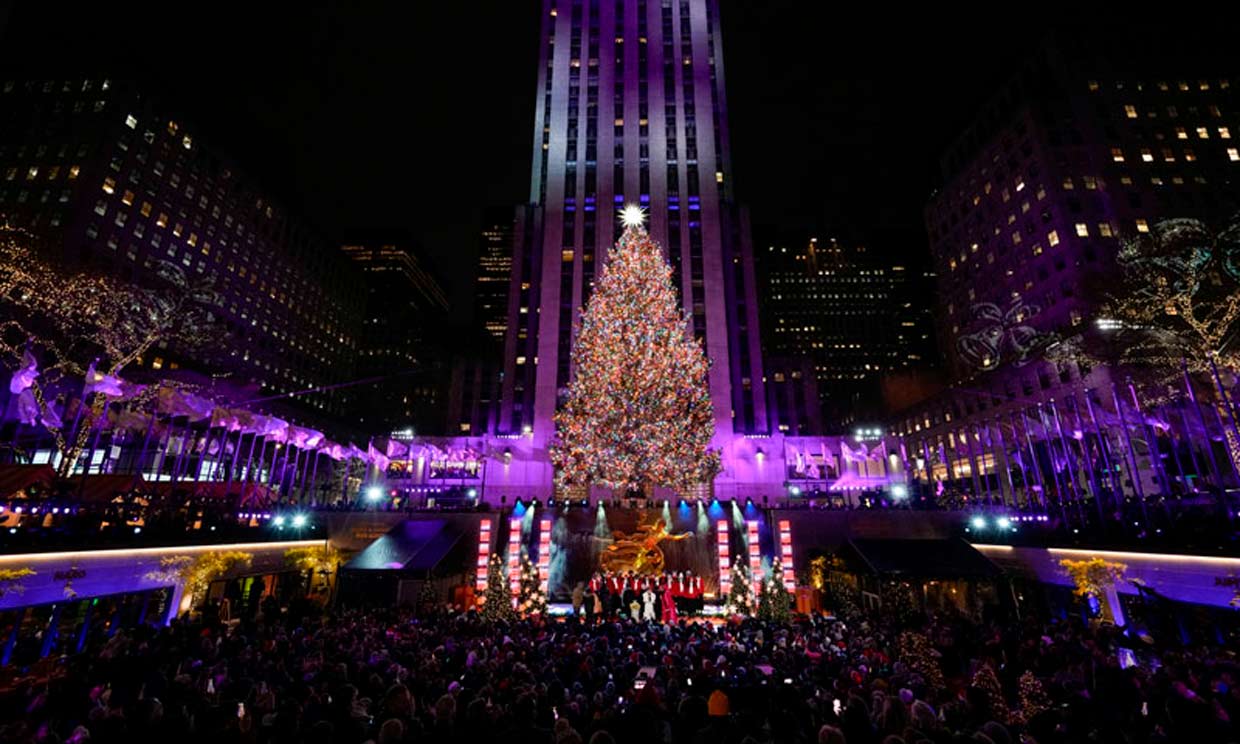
299	521
794	490
978	523
137	530
278	522
472	493
374	493
899	491
1004	523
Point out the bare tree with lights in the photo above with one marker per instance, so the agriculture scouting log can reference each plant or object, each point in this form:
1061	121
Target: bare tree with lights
69	328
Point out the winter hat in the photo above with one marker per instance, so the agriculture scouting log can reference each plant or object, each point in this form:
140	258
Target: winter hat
717	704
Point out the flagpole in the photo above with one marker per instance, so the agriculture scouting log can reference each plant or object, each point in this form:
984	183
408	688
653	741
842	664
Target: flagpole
1070	460
1151	446
1218	479
1132	454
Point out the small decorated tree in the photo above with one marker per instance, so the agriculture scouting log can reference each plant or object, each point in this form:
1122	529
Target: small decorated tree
319	561
1033	698
773	600
11	580
987	681
196	574
740	600
497	600
917	651
1094	577
531	599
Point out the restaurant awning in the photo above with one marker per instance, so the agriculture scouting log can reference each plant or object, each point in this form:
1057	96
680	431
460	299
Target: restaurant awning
412	545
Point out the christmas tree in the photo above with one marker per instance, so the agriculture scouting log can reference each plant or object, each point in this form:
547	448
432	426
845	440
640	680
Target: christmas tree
497	600
638	412
919	654
740	599
773	601
1033	699
531	600
987	681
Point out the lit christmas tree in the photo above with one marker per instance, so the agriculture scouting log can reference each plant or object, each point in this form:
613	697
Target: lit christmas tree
497	600
1033	699
773	600
531	600
987	681
740	600
917	651
638	413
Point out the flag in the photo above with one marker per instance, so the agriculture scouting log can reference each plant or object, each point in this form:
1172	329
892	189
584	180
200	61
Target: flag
173	402
24	377
846	452
396	450
377	458
100	382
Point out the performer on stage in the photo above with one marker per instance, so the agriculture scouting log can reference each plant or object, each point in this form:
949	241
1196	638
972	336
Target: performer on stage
648	604
669	604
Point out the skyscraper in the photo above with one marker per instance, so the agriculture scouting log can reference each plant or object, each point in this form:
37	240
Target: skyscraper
630	109
854	313
494	273
405	309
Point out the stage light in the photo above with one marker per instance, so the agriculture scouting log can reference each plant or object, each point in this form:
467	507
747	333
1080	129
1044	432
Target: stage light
278	522
299	521
137	530
374	493
472	493
978	523
1004	523
899	491
794	490
527	429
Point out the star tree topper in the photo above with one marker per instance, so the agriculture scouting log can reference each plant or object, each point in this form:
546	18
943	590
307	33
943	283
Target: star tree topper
631	215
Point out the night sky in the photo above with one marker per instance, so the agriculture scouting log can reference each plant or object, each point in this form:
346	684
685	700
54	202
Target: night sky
419	116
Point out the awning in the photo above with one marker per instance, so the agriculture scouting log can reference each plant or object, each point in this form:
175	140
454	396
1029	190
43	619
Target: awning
14	478
413	545
918	559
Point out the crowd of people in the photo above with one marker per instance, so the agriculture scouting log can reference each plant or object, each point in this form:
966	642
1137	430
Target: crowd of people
390	677
666	597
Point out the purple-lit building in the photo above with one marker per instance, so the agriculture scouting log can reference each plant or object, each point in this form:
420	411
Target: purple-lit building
630	108
1070	158
109	181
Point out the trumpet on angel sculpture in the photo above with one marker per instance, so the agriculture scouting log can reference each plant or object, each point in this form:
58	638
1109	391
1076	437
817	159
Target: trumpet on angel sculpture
639	552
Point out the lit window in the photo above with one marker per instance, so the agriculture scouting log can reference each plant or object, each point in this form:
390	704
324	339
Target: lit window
1224	133
1091	183
1104	229
187	142
32	173
520	360
1203	133
1093	85
1117	154
1189	155
1015	239
1131	111
146	209
1082	230
109	185
131	122
1168	155
566	256
619	122
718	176
1233	153
1142	226
1037	250
1068	185
1181	133
127	199
157	363
163	220
1147	155
1052	237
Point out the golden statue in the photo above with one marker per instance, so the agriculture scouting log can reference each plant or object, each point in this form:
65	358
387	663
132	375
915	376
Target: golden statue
639	552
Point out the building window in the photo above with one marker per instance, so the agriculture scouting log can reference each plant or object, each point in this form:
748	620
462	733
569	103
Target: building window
1233	153
1147	155
1052	237
1117	154
1142	226
1130	111
1082	230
